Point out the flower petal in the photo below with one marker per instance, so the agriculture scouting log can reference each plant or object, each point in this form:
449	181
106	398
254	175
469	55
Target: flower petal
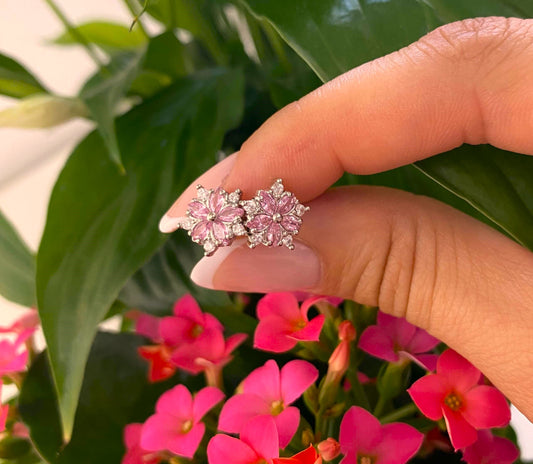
283	304
261	434
287	422
274	234
186	444
461	432
223	449
425	361
205	400
233	342
177	401
296	377
264	382
175	330
187	307
148	326
259	222
291	223
132	434
239	409
158	431
311	332
200	231
360	431
4	410
460	372
230	213
220	230
269	337
486	407
377	342
216	200
267	202
198	210
428	394
489	449
400	442
286	203
422	342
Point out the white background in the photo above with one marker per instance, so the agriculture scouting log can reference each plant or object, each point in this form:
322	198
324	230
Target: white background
31	160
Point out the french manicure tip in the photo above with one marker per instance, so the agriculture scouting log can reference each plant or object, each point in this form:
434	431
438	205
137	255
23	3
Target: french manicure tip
168	224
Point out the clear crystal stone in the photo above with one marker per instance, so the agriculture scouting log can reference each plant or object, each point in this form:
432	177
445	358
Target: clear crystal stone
238	229
300	209
202	193
234	197
186	223
277	188
209	247
287	241
250	207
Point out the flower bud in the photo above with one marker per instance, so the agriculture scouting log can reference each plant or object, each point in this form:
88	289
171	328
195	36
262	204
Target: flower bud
329	449
346	331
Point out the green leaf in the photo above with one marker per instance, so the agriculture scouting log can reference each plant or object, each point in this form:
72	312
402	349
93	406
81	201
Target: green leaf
112	219
42	111
106	35
16	81
104	91
333	36
161	281
17	266
115	392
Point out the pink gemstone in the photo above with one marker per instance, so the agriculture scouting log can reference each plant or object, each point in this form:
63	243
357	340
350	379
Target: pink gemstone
259	222
198	210
291	223
267	202
230	213
216	200
219	231
201	231
286	204
274	234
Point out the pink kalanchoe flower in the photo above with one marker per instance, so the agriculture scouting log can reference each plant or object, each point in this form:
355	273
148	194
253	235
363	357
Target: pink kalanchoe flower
28	320
365	441
4	410
267	391
176	425
148	326
13	355
188	324
489	449
258	443
455	393
134	453
394	339
283	323
329	449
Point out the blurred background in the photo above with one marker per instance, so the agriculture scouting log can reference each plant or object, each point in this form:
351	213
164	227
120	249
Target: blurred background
30	160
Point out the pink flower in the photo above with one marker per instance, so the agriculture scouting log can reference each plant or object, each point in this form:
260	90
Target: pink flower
213	217
176	425
455	393
134	453
28	320
13	355
307	456
4	409
258	443
329	449
148	326
489	449
283	323
188	324
394	339
267	391
365	441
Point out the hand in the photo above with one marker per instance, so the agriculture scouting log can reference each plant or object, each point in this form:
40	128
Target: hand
466	82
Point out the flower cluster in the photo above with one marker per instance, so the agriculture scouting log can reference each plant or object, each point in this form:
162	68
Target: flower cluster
327	401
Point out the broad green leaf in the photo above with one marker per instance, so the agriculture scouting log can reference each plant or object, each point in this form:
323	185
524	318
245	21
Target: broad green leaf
161	281
106	35
104	91
112	218
16	81
115	392
17	266
42	111
333	36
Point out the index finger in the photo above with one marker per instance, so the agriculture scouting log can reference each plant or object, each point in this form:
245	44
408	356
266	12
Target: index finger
466	82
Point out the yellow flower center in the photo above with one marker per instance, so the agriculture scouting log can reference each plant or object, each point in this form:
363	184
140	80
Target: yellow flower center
300	324
453	401
365	459
196	330
186	427
276	407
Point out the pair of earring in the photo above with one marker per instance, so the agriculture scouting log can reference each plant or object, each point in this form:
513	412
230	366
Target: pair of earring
215	218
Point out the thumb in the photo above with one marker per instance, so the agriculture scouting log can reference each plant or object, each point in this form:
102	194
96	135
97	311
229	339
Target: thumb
413	257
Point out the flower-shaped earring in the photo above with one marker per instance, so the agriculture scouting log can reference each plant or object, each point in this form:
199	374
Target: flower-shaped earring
273	217
214	218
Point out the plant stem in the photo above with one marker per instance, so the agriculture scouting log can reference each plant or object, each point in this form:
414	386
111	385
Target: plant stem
357	389
75	33
137	17
380	406
400	413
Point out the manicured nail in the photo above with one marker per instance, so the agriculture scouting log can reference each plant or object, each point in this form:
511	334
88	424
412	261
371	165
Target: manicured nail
240	269
210	179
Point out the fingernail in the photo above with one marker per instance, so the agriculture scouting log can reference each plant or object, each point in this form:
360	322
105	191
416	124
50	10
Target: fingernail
210	179
238	268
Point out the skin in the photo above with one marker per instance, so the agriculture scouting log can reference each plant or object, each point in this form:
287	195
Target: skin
466	82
